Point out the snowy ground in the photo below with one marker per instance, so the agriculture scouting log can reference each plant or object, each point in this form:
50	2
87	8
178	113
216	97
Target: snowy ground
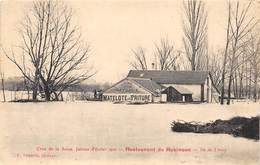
28	126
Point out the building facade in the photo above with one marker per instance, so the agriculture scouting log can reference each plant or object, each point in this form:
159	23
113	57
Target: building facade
161	86
133	90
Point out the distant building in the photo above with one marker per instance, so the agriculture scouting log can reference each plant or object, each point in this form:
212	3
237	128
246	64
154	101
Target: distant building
133	90
162	86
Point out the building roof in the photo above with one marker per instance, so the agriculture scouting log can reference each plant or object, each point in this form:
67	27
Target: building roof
171	77
182	90
148	84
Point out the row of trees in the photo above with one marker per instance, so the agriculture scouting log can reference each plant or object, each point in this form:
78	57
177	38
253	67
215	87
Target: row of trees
194	41
165	57
52	55
240	43
234	68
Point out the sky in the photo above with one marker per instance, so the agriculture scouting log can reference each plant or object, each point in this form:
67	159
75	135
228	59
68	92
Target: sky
112	28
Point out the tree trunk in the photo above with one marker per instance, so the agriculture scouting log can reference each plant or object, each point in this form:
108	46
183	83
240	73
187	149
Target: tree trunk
47	94
28	94
250	82
241	92
255	88
229	89
241	74
61	95
3	87
235	81
193	67
222	88
234	88
225	57
26	86
34	93
246	86
35	86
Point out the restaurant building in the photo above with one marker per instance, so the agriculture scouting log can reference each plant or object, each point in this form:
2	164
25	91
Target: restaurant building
163	86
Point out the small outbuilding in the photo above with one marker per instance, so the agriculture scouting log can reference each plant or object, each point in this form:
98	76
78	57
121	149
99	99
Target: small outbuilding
177	94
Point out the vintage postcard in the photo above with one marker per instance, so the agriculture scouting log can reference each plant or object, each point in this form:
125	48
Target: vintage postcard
129	82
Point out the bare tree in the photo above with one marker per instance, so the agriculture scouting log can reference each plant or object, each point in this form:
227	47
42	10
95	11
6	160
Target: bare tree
225	55
254	50
166	56
139	62
54	51
195	32
215	68
241	75
241	24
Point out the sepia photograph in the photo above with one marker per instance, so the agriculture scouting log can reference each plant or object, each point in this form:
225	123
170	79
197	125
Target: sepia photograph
129	82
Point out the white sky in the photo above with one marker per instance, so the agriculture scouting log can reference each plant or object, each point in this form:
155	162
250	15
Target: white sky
113	28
